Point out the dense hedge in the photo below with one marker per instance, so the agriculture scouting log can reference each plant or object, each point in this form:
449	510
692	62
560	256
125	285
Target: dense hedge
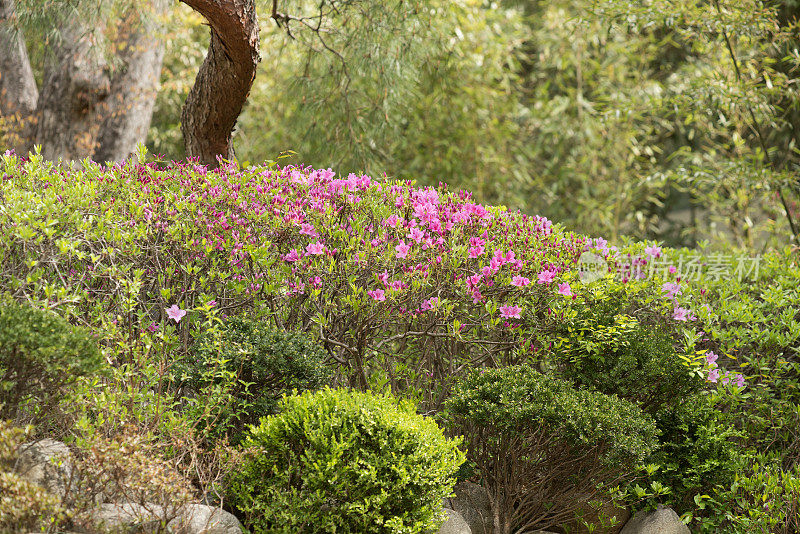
407	289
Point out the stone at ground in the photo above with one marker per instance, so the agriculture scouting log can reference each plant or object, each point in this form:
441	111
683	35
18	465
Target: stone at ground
47	463
126	518
664	520
454	524
472	502
202	519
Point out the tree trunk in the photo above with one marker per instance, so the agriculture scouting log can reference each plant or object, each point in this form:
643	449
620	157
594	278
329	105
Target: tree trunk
18	93
127	111
75	83
224	81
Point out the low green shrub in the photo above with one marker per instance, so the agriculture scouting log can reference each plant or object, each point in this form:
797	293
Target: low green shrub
604	346
41	354
541	446
344	461
698	454
252	363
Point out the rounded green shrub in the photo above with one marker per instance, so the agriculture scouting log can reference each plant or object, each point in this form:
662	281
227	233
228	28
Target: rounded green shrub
41	354
344	461
543	447
606	347
252	363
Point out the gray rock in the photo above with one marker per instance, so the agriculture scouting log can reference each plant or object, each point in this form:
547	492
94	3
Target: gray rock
454	524
202	519
47	463
472	502
661	521
128	518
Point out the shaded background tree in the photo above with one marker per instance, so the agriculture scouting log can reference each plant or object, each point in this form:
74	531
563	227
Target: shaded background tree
91	88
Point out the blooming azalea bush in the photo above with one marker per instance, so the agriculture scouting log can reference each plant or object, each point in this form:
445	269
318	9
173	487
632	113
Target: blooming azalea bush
381	272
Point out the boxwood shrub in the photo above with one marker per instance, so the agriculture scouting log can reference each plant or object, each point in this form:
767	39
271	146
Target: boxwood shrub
40	355
543	447
338	460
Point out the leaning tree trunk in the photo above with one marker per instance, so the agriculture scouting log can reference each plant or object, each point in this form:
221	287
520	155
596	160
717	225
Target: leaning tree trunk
18	92
127	111
224	81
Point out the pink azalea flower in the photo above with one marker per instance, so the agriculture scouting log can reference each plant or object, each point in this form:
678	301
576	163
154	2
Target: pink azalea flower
315	249
683	314
672	269
546	277
713	375
474	280
510	312
726	379
293	255
175	313
392	221
308	229
520	281
564	289
377	294
397	285
711	358
416	234
739	380
476	251
430	303
671	288
384	277
402	249
653	250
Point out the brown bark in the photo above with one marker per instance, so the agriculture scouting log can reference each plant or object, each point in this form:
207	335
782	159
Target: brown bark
127	111
18	92
224	80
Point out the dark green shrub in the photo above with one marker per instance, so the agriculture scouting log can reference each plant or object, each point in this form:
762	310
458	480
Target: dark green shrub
41	354
345	461
617	353
697	454
543	447
253	363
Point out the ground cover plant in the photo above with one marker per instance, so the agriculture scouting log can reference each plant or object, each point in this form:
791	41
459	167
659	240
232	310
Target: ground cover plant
402	290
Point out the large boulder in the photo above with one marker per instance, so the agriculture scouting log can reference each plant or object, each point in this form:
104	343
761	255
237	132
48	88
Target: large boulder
202	519
663	520
472	502
47	463
454	524
126	518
